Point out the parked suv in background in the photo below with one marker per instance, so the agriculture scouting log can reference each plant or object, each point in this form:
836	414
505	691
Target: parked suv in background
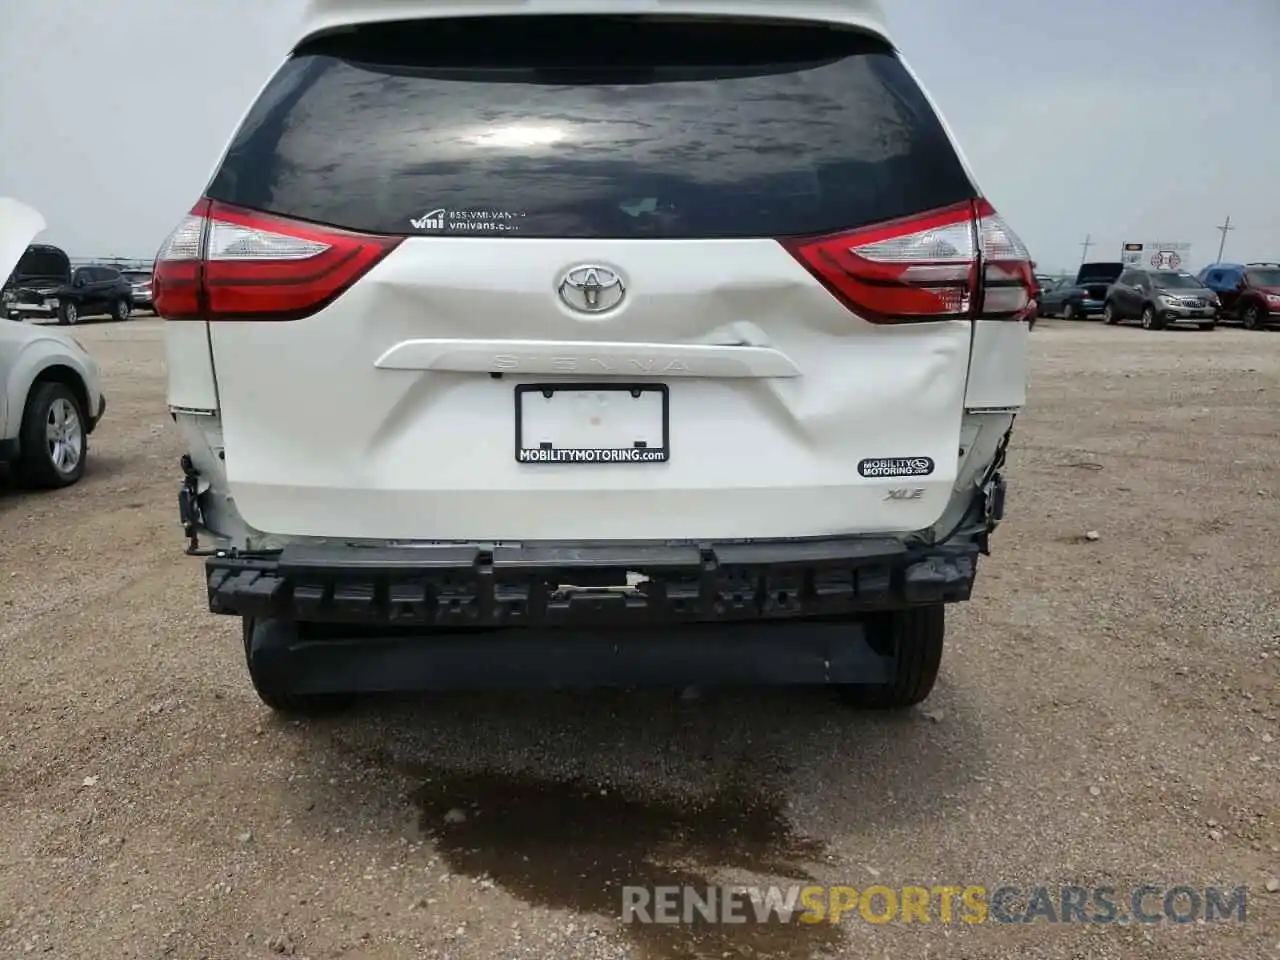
40	271
1084	297
500	358
1250	292
93	291
1158	298
140	282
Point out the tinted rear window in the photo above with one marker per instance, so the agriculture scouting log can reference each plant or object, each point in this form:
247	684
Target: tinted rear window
560	126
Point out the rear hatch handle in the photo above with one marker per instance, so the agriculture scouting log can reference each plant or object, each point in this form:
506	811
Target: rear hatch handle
589	358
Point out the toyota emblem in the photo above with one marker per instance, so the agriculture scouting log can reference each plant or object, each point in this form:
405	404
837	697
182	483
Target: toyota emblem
591	288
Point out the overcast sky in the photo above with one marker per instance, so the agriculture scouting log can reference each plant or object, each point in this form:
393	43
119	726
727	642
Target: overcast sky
1138	120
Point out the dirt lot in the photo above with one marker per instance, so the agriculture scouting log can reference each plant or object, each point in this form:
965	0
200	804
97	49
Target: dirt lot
1107	715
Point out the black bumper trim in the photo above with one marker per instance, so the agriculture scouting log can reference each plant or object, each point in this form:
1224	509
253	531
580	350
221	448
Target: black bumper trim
779	652
520	586
96	419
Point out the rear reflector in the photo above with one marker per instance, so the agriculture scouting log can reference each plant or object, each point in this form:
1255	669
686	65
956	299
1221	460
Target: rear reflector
958	263
227	263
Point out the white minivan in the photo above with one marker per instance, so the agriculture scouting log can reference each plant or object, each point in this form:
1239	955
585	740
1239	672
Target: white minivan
592	341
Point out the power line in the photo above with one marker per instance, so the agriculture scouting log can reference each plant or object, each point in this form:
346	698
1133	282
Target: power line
1223	228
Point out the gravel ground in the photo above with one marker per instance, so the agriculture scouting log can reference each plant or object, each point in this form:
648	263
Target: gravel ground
1107	715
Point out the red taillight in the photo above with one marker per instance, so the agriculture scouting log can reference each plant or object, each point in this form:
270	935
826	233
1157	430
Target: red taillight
958	263
1008	275
226	263
175	279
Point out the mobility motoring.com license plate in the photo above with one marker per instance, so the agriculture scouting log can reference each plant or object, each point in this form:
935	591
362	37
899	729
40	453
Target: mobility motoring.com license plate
592	423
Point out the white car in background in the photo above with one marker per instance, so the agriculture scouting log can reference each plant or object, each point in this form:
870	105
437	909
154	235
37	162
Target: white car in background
50	396
576	341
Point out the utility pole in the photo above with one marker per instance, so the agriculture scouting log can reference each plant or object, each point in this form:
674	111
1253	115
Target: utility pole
1084	247
1223	228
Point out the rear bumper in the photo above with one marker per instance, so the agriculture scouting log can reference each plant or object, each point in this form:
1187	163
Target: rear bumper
1088	308
523	586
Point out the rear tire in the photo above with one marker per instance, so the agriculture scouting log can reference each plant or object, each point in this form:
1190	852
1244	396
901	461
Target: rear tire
1251	317
915	636
267	658
120	310
1109	315
1069	311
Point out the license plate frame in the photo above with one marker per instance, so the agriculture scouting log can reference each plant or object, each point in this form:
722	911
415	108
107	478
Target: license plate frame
544	454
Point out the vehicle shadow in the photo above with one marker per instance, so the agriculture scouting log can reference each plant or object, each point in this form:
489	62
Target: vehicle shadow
99	467
82	321
561	800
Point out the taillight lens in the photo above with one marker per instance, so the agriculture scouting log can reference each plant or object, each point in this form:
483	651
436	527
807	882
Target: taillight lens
175	279
958	263
227	263
1008	275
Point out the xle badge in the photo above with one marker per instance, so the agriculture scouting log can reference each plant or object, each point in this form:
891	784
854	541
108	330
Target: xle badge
905	493
896	467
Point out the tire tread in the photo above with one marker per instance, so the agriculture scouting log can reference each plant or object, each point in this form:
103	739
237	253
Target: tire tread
275	695
916	634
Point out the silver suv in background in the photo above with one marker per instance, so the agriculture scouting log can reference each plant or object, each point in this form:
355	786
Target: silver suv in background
1157	298
50	396
140	281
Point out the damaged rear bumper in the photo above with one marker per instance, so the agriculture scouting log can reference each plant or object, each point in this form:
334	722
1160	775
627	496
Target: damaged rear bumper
525	586
347	618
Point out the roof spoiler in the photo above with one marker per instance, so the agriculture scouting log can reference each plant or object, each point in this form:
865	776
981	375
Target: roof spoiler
331	16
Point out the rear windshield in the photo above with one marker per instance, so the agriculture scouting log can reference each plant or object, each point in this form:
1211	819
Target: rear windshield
568	126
